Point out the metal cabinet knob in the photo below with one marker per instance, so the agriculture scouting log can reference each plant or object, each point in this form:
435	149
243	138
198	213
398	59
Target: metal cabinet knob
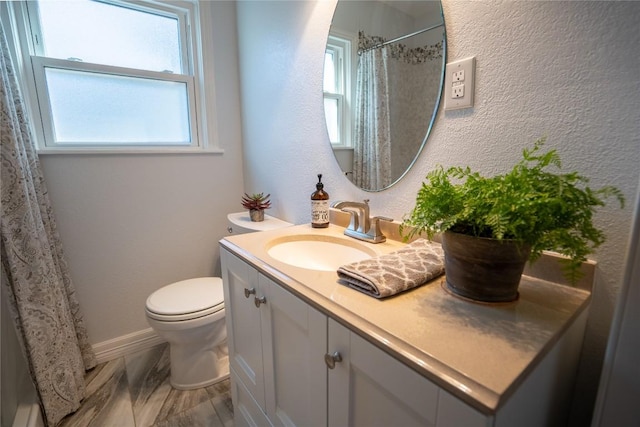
248	292
257	301
331	359
229	230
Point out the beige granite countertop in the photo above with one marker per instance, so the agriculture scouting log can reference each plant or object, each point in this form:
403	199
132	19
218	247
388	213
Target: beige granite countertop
480	353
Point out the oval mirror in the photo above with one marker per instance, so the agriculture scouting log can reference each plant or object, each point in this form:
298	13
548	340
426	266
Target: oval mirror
383	75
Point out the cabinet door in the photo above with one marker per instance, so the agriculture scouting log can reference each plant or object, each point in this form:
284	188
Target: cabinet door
370	388
243	323
294	344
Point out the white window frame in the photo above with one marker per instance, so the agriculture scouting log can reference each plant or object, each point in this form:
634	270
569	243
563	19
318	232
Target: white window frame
195	57
343	46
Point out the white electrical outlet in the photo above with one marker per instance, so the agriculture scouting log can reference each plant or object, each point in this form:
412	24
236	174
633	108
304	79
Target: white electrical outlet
459	84
458	91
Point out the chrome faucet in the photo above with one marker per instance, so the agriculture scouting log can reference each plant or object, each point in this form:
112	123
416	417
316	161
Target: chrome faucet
360	225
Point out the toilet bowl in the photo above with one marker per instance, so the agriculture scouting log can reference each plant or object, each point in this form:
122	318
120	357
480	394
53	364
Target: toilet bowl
189	315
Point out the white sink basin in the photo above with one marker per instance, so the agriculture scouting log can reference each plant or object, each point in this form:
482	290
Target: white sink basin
317	252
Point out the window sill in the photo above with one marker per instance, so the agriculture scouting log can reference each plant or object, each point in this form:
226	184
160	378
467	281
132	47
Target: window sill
119	151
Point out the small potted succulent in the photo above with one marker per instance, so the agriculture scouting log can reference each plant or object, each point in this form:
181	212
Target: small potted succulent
491	226
256	204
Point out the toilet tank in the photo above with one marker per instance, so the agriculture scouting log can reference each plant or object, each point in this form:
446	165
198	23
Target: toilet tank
240	223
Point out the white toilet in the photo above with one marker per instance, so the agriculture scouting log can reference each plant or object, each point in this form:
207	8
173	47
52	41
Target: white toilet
189	315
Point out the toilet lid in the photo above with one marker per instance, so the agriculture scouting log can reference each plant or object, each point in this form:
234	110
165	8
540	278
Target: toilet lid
187	296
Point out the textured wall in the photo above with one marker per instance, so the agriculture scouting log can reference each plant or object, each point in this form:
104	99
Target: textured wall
566	70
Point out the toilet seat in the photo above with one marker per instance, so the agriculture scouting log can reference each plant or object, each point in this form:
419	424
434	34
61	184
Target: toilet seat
186	300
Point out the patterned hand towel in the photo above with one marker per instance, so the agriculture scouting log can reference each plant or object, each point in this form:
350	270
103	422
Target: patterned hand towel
386	275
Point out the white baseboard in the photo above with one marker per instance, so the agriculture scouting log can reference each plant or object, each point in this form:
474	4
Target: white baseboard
126	344
28	415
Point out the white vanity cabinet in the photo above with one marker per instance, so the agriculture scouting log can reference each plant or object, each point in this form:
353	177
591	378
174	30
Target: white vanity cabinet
276	348
292	365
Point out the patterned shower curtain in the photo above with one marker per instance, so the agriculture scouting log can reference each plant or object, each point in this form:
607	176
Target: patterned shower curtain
41	295
372	138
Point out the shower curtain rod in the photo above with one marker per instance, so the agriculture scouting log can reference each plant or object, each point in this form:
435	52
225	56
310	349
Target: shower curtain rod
397	39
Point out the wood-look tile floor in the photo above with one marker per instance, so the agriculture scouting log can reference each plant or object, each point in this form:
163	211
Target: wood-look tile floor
134	391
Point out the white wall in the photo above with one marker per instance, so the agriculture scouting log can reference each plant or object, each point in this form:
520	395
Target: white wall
562	69
133	223
617	403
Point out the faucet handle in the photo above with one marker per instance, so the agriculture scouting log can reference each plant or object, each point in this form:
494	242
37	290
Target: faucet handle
375	222
382	218
375	231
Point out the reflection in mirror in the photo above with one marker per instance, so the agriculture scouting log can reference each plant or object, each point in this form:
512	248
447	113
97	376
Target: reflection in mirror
383	75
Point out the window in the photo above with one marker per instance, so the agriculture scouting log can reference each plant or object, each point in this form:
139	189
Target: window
115	75
337	90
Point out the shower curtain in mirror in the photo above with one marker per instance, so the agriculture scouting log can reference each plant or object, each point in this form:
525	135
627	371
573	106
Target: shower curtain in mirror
396	90
40	293
372	138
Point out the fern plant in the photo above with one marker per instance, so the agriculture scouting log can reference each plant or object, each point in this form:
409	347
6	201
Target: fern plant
529	204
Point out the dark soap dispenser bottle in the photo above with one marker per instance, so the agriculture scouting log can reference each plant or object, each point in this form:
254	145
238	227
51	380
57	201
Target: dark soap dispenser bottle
320	206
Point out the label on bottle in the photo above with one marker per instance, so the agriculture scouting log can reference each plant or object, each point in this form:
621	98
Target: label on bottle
319	212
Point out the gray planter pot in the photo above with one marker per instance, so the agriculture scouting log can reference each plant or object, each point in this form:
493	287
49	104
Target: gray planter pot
256	215
483	269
